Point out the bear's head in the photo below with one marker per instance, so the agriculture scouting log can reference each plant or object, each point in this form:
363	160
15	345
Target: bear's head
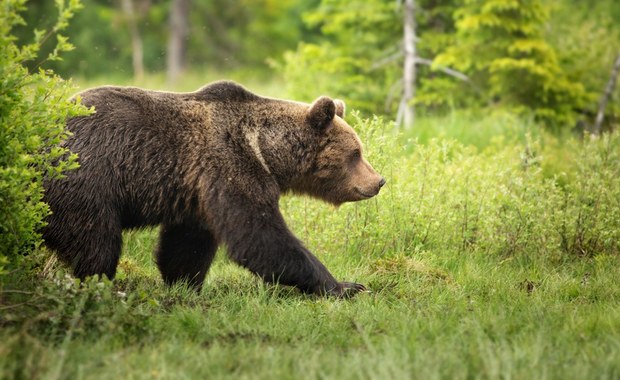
339	172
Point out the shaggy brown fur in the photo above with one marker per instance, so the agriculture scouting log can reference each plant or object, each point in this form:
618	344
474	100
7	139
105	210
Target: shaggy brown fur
209	167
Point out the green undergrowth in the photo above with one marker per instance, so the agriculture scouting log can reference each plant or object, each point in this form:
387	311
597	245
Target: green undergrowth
491	260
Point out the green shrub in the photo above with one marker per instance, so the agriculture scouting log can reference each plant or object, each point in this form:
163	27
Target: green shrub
33	110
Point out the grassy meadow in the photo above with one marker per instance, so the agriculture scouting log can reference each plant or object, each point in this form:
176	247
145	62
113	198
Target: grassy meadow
492	252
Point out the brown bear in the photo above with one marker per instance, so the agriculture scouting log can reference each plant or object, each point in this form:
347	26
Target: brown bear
209	167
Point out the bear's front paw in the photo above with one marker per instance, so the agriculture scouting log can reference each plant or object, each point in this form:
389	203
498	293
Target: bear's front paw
347	290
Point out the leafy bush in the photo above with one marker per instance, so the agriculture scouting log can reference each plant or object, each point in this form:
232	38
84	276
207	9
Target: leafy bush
33	110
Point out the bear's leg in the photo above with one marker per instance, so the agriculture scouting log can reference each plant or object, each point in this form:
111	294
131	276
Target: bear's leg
270	250
101	257
89	247
185	253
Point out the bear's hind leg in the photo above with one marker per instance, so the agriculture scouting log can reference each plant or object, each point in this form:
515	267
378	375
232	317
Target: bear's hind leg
185	253
101	258
89	248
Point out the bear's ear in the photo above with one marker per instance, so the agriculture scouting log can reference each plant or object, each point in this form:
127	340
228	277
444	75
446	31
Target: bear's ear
340	108
321	113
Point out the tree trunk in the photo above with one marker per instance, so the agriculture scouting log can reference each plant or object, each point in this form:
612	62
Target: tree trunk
409	70
179	30
609	89
137	55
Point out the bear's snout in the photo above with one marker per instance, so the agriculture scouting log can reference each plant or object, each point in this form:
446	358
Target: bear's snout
370	189
378	185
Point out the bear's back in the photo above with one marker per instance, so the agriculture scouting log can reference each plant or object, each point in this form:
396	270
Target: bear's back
123	102
135	105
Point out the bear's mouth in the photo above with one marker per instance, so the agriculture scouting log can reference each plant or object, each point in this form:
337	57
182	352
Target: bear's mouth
364	194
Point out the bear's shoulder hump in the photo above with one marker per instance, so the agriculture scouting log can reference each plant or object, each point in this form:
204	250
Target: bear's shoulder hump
225	91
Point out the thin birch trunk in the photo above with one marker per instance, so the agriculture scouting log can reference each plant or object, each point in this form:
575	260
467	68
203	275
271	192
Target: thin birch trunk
609	89
409	69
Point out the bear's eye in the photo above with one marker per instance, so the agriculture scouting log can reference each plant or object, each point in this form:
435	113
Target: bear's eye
356	154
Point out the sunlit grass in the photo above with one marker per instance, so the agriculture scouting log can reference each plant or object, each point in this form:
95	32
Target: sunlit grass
428	316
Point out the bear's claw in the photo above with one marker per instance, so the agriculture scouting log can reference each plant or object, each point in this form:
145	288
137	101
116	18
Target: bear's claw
346	290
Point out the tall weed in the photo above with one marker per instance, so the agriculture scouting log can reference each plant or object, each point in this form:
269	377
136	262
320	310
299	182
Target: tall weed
505	199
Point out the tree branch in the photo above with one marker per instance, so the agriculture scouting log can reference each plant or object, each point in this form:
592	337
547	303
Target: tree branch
446	70
419	60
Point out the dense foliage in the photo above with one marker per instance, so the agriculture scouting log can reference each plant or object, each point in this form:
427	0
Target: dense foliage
33	109
545	58
500	44
360	55
538	57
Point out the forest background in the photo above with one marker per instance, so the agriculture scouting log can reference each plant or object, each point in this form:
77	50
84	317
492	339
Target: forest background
549	59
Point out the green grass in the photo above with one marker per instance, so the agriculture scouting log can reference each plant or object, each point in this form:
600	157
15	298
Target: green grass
493	256
429	315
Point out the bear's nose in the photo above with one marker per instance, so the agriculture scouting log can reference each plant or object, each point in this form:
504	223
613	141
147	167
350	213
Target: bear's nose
382	182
